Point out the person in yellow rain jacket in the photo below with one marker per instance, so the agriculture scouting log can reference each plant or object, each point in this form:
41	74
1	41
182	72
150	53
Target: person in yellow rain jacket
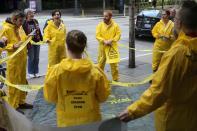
174	87
163	33
76	85
108	34
16	67
55	36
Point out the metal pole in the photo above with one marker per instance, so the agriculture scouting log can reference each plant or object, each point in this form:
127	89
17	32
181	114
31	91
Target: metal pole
121	7
131	34
76	12
104	5
162	3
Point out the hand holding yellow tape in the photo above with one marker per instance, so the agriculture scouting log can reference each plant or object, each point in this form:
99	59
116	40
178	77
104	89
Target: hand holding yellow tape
38	43
23	45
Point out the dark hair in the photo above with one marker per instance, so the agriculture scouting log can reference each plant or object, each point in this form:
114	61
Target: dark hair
187	15
167	12
76	41
54	11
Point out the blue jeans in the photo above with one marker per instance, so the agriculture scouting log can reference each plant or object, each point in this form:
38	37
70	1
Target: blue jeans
33	59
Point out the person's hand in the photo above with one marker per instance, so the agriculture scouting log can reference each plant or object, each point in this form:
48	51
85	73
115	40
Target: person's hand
48	41
107	42
32	33
17	45
124	116
4	39
160	36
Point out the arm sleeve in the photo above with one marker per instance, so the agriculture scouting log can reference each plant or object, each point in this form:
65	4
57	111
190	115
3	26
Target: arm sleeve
103	88
118	34
25	27
98	34
51	85
10	44
45	25
172	33
163	86
47	35
40	34
155	32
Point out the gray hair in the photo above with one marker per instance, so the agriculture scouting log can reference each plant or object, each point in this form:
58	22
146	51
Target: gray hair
26	11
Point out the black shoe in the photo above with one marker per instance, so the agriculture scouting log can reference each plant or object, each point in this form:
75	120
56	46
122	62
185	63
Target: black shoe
25	106
2	129
20	111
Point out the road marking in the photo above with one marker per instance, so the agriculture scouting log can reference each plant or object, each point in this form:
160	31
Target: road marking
126	58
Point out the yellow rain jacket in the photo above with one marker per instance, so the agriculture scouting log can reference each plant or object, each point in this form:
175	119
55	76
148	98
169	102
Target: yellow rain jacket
109	53
173	90
163	44
57	37
77	87
16	67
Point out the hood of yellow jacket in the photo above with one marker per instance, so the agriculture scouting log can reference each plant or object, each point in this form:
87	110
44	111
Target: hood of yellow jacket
191	42
8	23
51	23
76	65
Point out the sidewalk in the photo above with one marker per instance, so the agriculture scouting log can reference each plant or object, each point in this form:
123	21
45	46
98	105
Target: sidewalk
46	115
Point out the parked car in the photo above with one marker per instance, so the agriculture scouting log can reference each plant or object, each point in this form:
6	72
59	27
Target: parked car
145	21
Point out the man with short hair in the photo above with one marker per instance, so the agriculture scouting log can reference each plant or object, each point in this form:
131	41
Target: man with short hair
108	34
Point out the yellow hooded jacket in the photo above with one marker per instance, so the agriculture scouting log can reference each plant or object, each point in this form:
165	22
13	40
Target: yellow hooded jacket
57	37
16	67
173	90
161	43
108	32
77	87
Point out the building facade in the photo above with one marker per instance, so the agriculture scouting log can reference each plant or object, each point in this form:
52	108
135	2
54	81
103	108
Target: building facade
9	5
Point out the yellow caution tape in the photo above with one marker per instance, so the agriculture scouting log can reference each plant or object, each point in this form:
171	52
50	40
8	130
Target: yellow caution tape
38	43
125	46
26	88
17	51
132	84
119	100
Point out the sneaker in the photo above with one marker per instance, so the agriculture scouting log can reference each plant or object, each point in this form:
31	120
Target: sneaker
20	111
37	75
25	106
31	75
